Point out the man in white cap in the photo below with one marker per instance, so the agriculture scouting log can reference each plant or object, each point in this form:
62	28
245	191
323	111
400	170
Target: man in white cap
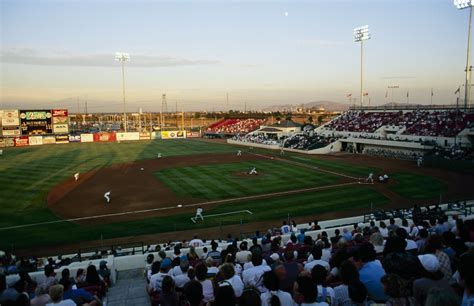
431	278
199	211
76	176
107	196
239	153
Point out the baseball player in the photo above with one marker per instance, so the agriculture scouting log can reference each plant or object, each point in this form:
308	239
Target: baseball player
76	176
107	196
253	171
282	152
199	214
370	178
159	155
1	152
239	153
419	161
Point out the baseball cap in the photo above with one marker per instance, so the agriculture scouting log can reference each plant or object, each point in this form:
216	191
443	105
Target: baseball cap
166	263
429	262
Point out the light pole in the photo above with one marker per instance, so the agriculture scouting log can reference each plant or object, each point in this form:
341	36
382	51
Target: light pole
123	57
462	4
361	34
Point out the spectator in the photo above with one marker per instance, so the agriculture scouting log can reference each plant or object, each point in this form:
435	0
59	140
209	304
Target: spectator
316	252
252	276
168	295
41	297
225	295
207	288
440	297
273	296
192	293
56	295
432	277
156	280
305	293
227	273
325	294
370	272
397	291
348	275
466	277
243	256
250	297
434	246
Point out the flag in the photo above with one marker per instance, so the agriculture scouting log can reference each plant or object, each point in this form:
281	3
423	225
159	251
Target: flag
349	95
386	94
457	90
366	94
432	94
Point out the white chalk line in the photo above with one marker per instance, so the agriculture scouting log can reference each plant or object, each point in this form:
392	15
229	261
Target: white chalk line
231	200
223	214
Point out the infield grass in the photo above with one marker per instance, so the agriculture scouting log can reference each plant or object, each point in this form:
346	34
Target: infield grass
230	180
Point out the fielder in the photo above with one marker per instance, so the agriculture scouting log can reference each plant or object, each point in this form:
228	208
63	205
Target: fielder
419	161
159	155
1	152
253	171
370	178
76	176
107	196
239	153
282	152
199	214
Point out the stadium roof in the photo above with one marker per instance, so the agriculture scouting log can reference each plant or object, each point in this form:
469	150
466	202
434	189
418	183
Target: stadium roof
286	124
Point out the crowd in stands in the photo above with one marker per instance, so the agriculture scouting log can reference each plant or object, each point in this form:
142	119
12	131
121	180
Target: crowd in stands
306	142
427	260
419	122
398	154
234	126
257	138
454	152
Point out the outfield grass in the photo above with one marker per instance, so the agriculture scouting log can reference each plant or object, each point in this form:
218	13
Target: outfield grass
417	187
222	181
308	203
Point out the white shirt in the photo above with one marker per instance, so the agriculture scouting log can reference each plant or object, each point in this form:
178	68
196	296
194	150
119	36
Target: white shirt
237	284
285	229
196	242
411	245
308	266
284	297
329	293
198	211
242	256
254	277
207	291
176	271
181	280
383	232
63	303
156	280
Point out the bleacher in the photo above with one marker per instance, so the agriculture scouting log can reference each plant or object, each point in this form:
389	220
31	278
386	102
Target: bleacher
234	126
133	257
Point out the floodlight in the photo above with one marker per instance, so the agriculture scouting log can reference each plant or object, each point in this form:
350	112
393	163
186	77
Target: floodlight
462	4
362	33
123	57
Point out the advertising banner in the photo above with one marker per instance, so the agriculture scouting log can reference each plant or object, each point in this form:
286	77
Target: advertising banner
10	118
62	138
11	131
21	141
128	136
105	137
35	140
87	137
60	120
192	134
60	128
173	134
155	135
49	139
74	138
59	113
35	122
7	142
144	136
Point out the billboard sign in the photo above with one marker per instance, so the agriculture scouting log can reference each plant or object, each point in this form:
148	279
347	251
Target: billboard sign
74	138
21	141
62	138
35	140
11	131
49	139
7	142
173	134
87	137
10	118
100	137
35	122
60	128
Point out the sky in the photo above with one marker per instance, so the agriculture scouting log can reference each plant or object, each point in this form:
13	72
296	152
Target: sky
61	53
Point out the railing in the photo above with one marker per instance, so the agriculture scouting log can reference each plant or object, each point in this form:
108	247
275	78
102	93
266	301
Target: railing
400	106
117	250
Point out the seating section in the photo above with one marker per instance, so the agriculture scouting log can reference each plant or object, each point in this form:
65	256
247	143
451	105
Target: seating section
387	248
234	126
446	123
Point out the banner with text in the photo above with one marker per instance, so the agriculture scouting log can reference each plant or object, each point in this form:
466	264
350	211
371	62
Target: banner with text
173	134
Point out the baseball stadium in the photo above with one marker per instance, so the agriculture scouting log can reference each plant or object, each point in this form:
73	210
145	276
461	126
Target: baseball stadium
371	203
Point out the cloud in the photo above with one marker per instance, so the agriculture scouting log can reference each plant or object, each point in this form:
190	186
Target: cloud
34	57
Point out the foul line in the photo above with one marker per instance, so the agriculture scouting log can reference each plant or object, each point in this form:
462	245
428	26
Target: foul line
259	196
223	214
306	166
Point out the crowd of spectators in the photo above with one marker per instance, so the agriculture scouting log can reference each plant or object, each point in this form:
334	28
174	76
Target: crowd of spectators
234	126
258	138
422	263
306	142
418	122
398	154
454	152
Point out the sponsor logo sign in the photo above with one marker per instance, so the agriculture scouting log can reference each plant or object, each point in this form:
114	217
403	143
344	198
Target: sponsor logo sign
173	134
193	134
105	137
10	117
60	128
144	135
11	131
59	112
60	120
87	137
49	139
21	141
35	140
7	142
74	138
62	138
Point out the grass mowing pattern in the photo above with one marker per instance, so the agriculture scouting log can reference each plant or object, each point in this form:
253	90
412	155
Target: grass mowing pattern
220	181
27	174
416	187
309	203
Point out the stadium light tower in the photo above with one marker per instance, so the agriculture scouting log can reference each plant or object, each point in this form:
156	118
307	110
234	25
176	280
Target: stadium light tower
463	4
123	57
361	34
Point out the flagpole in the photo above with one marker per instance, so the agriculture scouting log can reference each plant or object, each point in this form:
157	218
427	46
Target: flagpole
431	96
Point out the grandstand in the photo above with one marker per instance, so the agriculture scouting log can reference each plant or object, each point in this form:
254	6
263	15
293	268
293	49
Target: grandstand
395	240
230	127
